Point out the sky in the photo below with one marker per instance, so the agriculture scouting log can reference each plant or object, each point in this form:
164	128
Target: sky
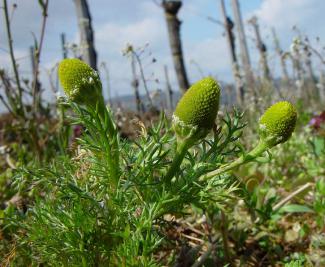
142	24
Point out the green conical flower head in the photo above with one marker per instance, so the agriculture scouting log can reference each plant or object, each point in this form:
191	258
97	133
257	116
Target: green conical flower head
80	82
198	107
277	123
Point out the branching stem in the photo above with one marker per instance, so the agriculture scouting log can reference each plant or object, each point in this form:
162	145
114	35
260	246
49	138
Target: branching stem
257	151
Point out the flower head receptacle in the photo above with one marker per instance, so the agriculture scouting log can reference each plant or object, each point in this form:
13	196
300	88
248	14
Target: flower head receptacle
196	111
80	82
193	118
277	123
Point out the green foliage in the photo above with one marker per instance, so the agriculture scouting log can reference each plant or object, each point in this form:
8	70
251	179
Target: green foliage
102	219
115	201
319	202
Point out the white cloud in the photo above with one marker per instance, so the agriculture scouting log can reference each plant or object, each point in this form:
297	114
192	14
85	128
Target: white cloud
115	37
306	15
22	60
212	57
112	38
283	15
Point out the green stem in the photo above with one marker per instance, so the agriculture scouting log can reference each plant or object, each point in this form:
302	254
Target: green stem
112	148
181	149
257	151
101	107
82	249
114	160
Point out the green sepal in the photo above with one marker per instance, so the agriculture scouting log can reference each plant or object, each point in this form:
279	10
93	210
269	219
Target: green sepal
188	132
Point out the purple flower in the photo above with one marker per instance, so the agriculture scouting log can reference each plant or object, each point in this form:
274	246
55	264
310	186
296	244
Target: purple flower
77	131
317	121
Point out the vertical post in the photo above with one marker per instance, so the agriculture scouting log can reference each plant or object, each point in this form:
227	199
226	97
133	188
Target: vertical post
135	85
261	48
229	25
308	64
107	76
36	84
32	59
321	86
171	9
243	47
285	76
169	91
312	92
64	46
297	67
88	51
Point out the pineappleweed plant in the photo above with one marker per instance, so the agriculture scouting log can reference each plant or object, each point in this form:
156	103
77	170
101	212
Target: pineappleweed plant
108	204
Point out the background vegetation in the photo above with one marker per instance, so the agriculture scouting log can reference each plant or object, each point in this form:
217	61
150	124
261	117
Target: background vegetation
64	203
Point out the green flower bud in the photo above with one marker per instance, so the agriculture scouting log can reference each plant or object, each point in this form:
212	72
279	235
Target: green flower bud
80	82
277	123
196	111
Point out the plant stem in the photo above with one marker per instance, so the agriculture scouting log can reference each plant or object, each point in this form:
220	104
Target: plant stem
258	150
83	259
12	56
224	232
7	106
143	78
114	149
205	256
181	149
36	90
291	196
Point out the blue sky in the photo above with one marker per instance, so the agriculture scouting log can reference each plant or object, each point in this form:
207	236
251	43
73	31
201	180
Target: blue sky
141	22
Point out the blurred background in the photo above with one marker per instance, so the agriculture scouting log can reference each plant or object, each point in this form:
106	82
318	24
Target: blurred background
130	43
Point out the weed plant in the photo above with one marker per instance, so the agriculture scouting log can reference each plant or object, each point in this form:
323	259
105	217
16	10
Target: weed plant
115	202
